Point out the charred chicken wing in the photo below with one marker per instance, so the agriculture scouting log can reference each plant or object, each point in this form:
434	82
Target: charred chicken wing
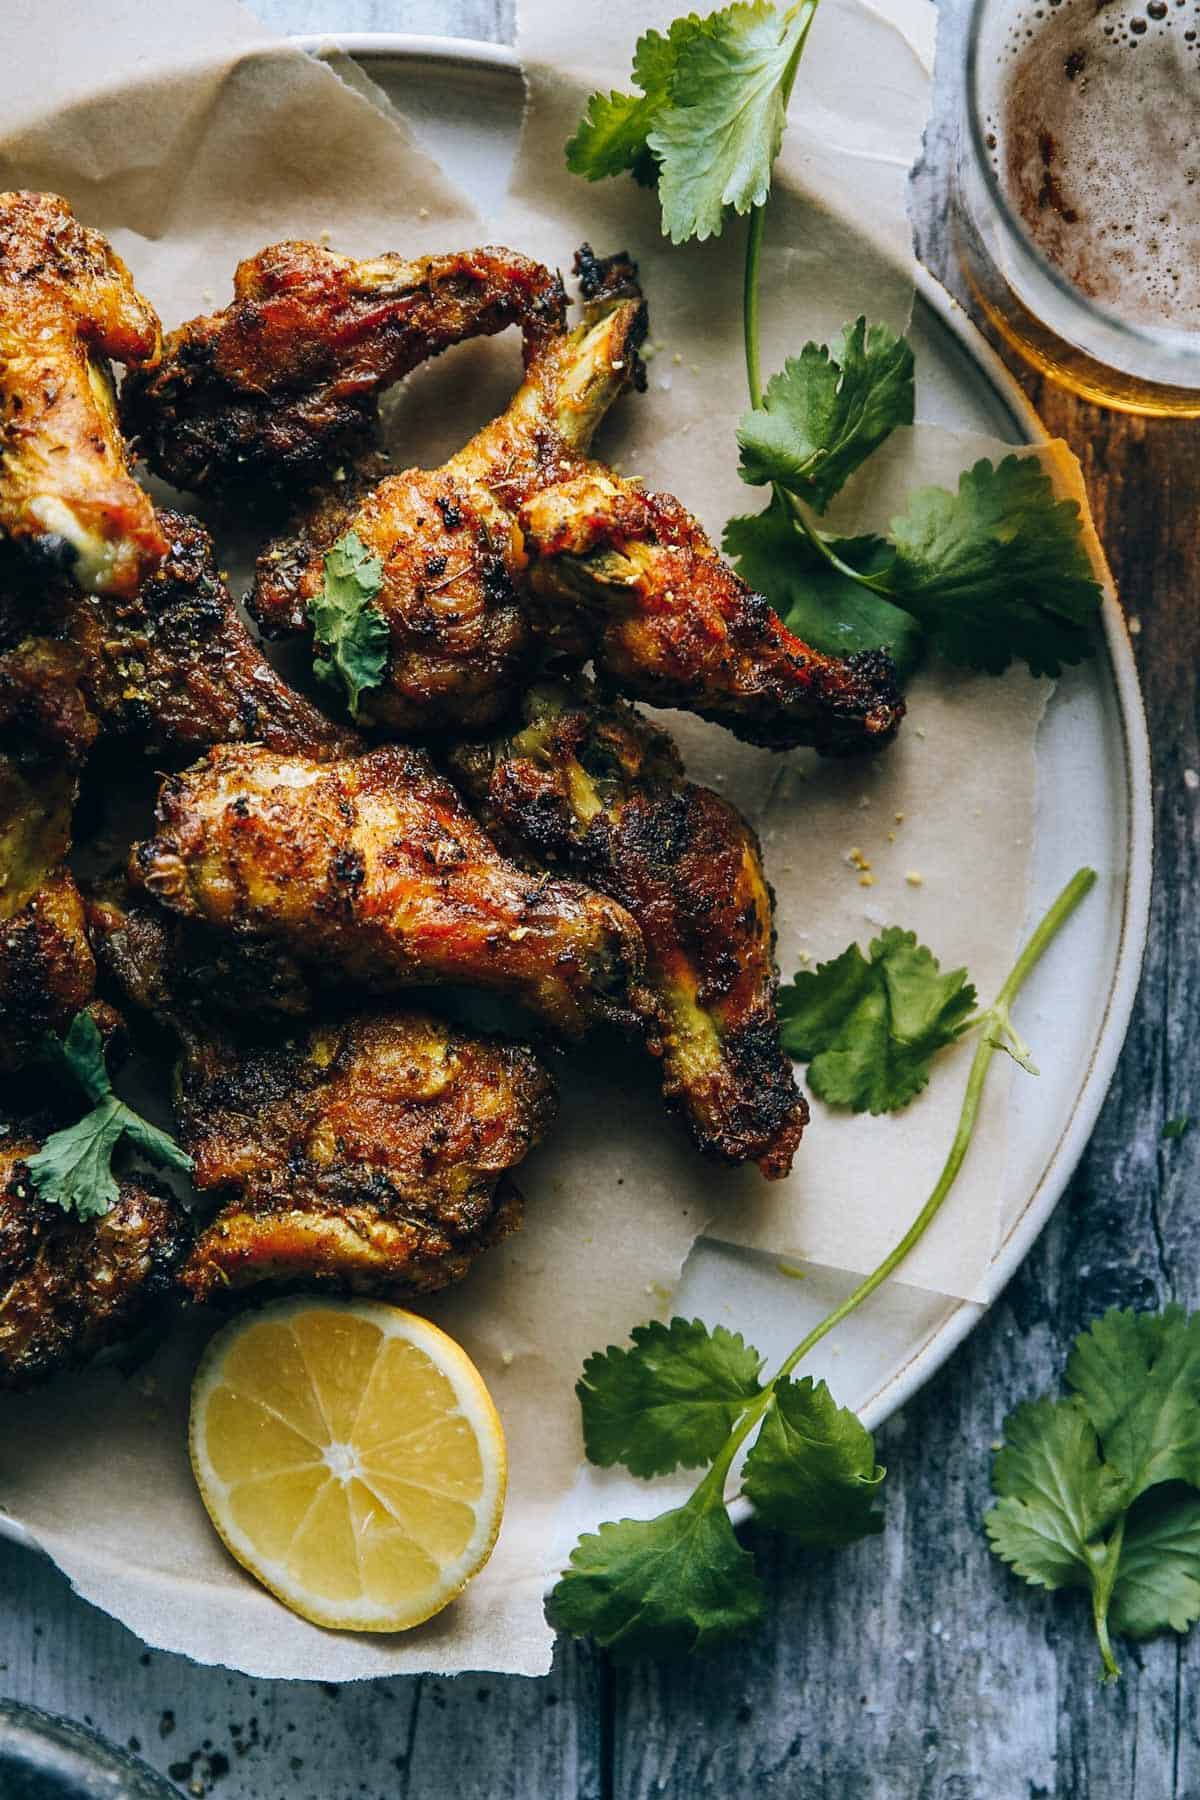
369	1151
174	669
372	1153
373	869
599	791
610	572
70	1287
286	379
67	304
47	971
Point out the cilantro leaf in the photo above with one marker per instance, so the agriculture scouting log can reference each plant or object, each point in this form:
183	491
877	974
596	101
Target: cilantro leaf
660	1587
827	411
154	1144
1056	1495
812	1470
351	636
612	133
671	1401
717	140
80	1056
1158	1575
869	1029
74	1166
1138	1375
997	571
824	608
73	1169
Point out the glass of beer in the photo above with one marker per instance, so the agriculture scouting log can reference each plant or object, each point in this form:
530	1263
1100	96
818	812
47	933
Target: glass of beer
1077	210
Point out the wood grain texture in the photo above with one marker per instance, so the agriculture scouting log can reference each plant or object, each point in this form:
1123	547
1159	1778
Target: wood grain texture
912	1667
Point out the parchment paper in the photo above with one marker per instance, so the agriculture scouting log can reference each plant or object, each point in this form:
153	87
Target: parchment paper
251	143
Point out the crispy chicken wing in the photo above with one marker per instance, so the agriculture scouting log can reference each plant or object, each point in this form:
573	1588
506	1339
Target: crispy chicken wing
70	1287
67	303
286	379
370	1151
47	971
598	790
171	669
610	572
373	869
460	644
174	669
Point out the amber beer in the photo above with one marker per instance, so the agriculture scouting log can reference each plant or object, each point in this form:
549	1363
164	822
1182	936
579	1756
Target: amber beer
1078	205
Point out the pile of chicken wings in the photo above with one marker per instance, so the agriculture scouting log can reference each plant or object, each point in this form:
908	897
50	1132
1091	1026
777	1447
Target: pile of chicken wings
497	817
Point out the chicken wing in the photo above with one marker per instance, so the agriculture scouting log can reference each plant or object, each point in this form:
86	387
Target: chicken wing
373	869
171	669
47	971
67	303
598	790
370	1151
174	669
286	379
608	571
70	1287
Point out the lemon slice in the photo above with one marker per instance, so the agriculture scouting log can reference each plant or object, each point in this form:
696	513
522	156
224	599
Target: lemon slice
350	1457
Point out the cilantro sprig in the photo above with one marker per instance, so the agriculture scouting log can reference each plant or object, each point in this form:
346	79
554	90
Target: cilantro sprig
869	1027
1100	1490
687	1396
994	572
73	1169
350	634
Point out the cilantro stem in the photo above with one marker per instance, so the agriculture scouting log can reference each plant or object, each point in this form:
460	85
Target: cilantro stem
758	219
712	1487
1102	1587
754	238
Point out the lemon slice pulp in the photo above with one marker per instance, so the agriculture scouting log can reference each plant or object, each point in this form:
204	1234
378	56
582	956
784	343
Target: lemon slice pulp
350	1457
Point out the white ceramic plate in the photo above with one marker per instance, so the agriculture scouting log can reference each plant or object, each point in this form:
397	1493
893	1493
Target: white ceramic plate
464	102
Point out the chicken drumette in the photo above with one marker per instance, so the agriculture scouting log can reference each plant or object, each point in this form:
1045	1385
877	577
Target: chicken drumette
599	791
47	971
607	570
371	1151
70	1287
373	870
287	378
67	303
171	669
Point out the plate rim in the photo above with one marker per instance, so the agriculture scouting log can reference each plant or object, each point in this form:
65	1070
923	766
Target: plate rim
476	55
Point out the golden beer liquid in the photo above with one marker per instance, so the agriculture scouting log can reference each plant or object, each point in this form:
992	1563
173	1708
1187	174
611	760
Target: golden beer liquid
1092	135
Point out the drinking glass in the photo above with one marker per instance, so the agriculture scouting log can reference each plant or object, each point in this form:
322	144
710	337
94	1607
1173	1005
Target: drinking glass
1114	344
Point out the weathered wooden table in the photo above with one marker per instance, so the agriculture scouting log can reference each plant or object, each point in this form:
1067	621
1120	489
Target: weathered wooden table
909	1668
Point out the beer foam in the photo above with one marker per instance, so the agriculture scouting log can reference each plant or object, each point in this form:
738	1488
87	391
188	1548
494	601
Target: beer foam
1094	131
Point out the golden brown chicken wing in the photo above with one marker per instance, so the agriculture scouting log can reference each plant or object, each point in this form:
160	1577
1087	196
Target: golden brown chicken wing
174	669
70	1287
67	303
286	379
171	669
599	791
669	622
606	570
47	972
373	869
370	1151
460	645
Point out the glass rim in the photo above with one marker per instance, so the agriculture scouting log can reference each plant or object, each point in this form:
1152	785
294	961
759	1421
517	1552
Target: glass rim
1185	344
